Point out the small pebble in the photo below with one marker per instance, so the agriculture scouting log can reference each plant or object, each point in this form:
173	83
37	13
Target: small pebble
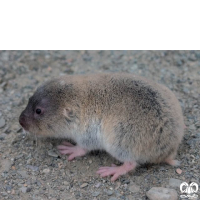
13	192
134	188
8	188
3	136
84	185
197	135
118	184
112	198
174	183
2	122
46	171
23	174
66	183
130	197
6	165
95	194
192	127
4	194
97	185
25	189
28	189
90	161
160	193
109	192
33	168
179	171
52	153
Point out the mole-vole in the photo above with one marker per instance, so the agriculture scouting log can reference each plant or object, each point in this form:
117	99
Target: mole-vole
133	119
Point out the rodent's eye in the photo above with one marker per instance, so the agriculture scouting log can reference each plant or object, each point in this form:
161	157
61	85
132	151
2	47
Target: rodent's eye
38	111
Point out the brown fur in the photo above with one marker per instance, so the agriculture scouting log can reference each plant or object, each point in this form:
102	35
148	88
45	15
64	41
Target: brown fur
130	117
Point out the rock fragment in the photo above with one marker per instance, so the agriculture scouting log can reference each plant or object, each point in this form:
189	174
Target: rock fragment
160	193
2	122
175	183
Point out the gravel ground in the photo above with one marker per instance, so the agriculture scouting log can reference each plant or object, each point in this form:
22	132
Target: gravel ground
33	169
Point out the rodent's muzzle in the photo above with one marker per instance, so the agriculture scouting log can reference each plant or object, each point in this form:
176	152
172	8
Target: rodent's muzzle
23	121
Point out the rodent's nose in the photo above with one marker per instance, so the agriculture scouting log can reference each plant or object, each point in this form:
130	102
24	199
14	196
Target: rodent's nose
22	121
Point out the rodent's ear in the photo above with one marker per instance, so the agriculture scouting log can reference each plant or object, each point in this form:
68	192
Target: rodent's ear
68	113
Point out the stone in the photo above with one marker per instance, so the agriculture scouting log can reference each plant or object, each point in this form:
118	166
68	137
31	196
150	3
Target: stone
109	192
8	188
6	129
66	183
192	127
6	165
160	193
186	90
2	122
193	142
134	188
3	136
95	194
97	185
33	168
112	198
23	174
130	198
4	194
197	135
68	196
46	171
5	56
84	185
28	189
38	183
175	183
25	189
179	171
15	127
52	153
13	192
118	184
90	161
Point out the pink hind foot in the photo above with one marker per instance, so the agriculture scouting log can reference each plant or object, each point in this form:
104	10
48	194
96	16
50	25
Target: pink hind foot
71	150
116	171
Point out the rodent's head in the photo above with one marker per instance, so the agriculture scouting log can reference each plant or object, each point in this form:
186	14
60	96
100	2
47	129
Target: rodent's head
46	113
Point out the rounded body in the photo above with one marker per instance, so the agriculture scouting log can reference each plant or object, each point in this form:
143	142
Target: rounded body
130	117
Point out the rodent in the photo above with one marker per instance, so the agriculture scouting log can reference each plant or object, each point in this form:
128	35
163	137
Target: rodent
133	119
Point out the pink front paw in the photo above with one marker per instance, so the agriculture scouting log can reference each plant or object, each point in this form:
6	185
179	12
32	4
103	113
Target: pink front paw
71	150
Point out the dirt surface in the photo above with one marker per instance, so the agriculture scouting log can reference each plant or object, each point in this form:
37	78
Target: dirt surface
33	169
